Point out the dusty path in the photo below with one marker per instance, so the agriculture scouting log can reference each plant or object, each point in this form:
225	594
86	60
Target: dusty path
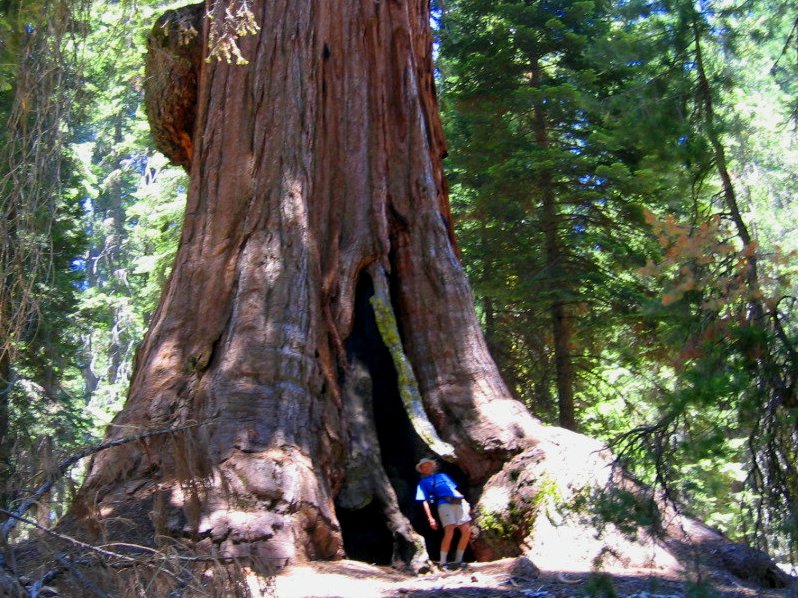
504	578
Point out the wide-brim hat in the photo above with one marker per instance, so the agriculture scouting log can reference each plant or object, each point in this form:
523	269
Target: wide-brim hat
426	460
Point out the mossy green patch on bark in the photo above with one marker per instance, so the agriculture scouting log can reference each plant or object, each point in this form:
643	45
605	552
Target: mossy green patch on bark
408	386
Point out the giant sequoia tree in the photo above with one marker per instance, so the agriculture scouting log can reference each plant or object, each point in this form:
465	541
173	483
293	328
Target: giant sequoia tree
316	292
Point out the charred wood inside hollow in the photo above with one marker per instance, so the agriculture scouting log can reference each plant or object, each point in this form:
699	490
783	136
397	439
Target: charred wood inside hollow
376	508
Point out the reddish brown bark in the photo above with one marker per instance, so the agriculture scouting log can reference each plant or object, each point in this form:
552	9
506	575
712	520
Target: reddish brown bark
319	158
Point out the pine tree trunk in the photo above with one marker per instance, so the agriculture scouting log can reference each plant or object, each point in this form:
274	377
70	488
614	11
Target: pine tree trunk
555	258
317	161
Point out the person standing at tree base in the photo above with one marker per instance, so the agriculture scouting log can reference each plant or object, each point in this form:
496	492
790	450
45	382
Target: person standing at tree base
438	489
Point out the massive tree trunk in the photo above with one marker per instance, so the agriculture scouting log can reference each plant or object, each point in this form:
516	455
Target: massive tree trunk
316	180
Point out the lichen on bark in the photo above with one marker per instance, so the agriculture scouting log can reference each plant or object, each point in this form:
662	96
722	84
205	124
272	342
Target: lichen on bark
408	385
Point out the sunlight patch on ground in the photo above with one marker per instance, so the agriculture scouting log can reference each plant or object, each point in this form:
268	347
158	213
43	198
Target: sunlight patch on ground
307	581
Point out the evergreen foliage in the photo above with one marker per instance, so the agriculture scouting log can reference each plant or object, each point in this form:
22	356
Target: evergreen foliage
550	185
647	131
78	276
40	235
133	210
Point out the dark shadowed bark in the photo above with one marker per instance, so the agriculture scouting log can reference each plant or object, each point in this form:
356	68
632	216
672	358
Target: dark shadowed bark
316	180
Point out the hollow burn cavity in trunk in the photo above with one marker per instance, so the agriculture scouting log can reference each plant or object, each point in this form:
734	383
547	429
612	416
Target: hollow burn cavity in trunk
365	529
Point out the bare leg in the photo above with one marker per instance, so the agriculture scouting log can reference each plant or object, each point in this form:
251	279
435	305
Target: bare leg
448	532
465	535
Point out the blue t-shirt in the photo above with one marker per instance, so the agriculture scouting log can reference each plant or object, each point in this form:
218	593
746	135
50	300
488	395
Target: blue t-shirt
435	487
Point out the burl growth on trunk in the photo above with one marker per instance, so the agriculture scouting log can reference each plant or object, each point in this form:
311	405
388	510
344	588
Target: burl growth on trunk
174	56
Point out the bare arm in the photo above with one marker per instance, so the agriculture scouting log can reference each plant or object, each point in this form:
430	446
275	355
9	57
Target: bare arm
432	523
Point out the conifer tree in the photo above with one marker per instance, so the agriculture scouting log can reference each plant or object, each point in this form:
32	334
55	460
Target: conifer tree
40	235
551	194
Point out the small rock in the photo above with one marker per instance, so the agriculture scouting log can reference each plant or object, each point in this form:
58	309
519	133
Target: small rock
524	568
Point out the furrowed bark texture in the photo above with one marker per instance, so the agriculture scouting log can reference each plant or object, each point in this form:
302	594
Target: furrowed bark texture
318	159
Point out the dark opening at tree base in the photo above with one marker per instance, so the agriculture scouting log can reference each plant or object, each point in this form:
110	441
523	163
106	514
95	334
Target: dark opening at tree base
366	534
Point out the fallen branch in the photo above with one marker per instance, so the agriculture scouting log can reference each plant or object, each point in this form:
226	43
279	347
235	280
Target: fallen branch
111	554
65	538
15	516
563	579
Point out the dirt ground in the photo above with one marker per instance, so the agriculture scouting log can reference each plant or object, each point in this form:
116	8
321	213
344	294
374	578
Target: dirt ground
560	563
507	578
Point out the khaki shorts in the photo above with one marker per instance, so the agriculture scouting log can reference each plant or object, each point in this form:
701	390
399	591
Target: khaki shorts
454	514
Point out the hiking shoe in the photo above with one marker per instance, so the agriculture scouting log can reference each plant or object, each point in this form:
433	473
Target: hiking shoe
447	566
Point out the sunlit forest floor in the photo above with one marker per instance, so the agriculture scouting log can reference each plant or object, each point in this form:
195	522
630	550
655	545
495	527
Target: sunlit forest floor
507	578
501	579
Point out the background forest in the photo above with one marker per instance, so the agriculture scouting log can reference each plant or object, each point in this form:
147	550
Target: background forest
622	179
